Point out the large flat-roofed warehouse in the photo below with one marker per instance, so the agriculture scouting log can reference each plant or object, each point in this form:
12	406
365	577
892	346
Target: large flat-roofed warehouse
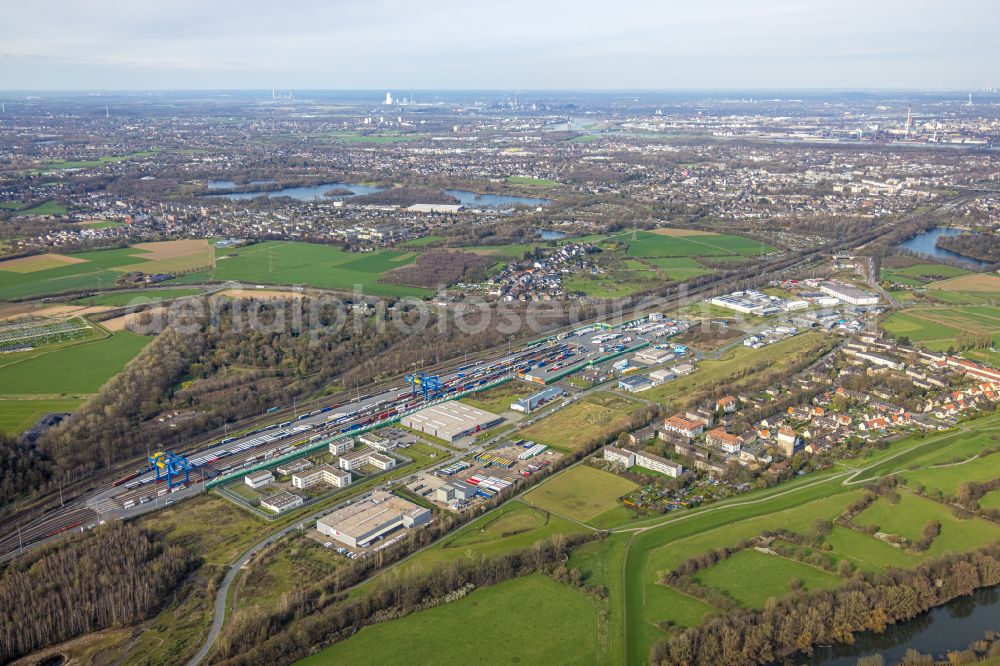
848	294
359	524
451	420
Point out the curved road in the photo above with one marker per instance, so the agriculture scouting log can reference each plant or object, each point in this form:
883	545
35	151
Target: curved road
222	594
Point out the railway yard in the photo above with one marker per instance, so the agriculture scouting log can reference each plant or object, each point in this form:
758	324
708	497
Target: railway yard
147	488
300	379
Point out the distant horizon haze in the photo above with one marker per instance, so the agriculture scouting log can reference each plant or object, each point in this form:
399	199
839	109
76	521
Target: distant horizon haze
635	45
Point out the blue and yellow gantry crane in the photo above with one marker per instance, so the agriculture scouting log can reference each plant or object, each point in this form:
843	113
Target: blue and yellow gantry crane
170	465
429	385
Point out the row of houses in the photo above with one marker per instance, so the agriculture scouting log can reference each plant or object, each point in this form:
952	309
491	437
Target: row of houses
628	459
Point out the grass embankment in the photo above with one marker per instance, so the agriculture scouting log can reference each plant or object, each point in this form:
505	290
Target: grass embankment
795	506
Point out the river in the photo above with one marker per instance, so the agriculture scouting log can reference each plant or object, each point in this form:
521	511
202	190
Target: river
953	626
925	244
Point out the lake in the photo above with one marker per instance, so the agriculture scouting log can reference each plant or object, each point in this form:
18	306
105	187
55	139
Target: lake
551	234
950	627
226	184
925	244
474	200
302	193
318	192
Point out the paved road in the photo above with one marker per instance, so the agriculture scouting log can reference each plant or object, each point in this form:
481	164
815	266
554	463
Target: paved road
222	595
220	598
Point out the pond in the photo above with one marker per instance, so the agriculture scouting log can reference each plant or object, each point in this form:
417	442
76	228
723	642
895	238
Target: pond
926	244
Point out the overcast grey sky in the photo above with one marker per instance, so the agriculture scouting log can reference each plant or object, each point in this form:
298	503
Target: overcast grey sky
525	44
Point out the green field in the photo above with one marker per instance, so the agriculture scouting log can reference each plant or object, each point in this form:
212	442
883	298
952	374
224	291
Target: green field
946	479
932	271
596	417
133	297
937	328
16	416
45	208
382	137
990	500
907	519
617	286
532	182
519	519
677	268
920	274
89	271
648	244
750	577
80	369
675	607
421	242
531	620
56	165
103	224
313	265
513	526
866	553
581	493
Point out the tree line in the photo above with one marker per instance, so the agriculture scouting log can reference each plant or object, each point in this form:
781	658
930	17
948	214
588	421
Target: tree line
214	371
113	577
805	619
282	635
978	246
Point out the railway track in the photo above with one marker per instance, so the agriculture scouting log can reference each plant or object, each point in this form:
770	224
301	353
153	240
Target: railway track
45	519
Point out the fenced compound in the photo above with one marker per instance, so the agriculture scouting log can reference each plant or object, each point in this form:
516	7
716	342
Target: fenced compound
38	331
